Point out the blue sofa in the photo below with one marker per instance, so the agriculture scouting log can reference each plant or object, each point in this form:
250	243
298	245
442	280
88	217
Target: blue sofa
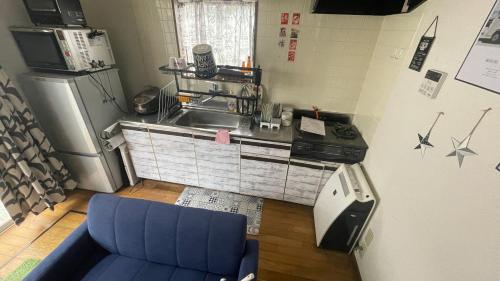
130	239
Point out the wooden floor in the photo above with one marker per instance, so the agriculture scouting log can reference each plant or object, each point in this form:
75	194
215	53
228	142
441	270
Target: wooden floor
287	242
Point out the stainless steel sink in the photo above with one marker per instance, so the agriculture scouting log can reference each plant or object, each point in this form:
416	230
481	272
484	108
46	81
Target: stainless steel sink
213	120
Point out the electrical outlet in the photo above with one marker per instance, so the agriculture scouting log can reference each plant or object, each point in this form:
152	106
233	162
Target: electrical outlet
365	242
368	237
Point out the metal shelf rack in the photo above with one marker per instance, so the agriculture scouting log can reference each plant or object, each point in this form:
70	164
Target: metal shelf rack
246	105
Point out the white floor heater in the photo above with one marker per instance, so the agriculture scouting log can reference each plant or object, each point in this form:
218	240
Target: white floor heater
343	209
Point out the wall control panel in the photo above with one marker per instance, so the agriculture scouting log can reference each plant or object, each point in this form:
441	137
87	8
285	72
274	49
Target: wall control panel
432	83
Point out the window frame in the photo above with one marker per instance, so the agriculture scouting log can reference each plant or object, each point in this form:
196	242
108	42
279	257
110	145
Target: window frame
255	29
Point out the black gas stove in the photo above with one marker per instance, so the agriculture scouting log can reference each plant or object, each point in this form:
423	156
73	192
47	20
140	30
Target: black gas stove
342	141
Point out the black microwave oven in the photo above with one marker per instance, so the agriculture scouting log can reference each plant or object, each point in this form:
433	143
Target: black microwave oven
55	12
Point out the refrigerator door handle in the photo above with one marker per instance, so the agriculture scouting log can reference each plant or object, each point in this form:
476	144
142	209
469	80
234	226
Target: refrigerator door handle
99	154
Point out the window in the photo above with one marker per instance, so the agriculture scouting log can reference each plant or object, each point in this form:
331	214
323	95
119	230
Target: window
227	25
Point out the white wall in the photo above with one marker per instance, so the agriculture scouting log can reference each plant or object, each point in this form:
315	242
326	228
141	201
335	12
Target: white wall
333	55
436	221
12	12
140	37
389	57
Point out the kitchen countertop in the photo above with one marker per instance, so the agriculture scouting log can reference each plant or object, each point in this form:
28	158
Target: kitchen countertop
284	134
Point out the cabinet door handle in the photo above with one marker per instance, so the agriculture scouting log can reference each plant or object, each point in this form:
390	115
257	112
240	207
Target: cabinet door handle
270	160
171	133
134	128
267	145
305	165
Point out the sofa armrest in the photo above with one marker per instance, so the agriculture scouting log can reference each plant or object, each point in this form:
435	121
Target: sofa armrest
250	262
66	259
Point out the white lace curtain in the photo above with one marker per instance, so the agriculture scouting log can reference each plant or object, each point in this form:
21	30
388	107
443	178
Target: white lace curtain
227	25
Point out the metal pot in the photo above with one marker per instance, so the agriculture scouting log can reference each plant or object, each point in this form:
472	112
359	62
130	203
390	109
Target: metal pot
147	101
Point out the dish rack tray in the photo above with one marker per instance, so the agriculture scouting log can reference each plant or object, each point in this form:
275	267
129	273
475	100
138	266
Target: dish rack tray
168	103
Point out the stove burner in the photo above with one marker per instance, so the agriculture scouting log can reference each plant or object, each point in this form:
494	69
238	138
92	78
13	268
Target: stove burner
344	131
342	143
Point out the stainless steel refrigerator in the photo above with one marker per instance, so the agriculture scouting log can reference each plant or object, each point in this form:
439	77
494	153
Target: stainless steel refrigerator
73	110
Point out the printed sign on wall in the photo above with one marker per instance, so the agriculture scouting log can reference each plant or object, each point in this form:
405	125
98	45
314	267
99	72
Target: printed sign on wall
424	47
284	18
296	18
482	66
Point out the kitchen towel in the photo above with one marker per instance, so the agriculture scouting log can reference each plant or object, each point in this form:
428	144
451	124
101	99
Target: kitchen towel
222	137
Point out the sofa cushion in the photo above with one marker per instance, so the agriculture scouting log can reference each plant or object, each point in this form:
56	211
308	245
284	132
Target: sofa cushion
190	238
119	268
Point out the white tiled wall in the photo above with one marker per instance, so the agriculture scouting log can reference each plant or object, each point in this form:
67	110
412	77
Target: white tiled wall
136	30
333	55
166	14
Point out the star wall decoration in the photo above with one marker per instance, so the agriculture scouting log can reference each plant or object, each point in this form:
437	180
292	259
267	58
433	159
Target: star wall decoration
423	141
461	148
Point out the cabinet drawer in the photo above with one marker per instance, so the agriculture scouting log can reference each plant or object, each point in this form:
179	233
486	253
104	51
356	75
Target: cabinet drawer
259	193
139	137
211	145
247	183
176	176
165	137
265	148
219	183
299	200
304	173
265	168
147	172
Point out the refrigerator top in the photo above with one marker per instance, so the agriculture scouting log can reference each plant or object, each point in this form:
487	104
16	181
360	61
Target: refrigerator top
63	77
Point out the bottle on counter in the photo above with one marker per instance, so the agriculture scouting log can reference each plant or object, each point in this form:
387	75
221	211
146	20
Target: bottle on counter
249	63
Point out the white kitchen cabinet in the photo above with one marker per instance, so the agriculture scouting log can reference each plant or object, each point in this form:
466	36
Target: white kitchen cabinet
265	148
263	176
175	155
218	165
302	181
141	151
247	166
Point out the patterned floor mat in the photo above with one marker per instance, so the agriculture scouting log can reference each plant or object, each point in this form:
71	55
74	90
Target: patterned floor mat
222	201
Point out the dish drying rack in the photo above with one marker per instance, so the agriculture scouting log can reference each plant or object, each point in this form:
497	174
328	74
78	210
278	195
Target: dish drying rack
245	105
168	102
